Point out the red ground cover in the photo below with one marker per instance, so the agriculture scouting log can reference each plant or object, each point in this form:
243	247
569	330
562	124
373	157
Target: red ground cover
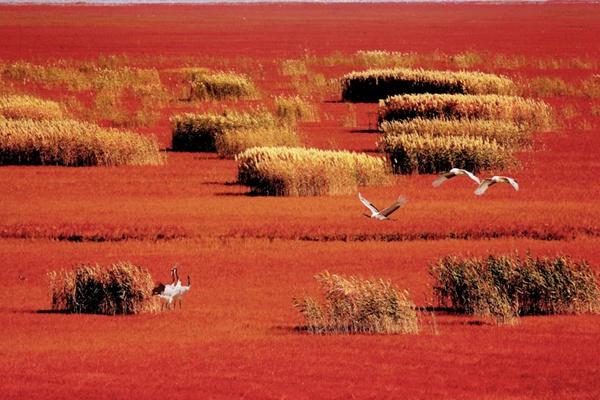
235	336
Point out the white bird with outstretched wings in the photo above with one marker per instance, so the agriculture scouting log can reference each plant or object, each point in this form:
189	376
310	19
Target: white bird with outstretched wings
455	172
383	214
487	183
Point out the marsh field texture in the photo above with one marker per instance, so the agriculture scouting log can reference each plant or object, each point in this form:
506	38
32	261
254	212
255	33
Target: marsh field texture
119	132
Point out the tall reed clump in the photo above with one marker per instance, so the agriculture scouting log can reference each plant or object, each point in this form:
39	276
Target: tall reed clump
234	141
73	143
21	107
121	95
221	86
506	286
355	306
505	133
198	132
293	109
121	288
425	154
374	84
287	171
527	113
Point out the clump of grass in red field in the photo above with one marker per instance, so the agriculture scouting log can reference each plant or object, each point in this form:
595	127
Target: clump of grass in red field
288	171
354	305
505	133
73	143
548	86
220	86
28	107
372	85
528	113
234	141
425	154
198	132
504	287
122	288
122	95
591	86
294	108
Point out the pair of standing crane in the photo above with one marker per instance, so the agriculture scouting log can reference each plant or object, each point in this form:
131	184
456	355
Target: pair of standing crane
481	189
173	292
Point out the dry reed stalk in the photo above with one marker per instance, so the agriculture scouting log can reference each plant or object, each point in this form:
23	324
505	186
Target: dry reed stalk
287	171
425	154
122	288
73	143
526	113
373	85
355	306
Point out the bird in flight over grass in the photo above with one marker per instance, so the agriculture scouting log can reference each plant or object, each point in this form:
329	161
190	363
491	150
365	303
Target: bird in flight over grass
455	172
486	183
383	214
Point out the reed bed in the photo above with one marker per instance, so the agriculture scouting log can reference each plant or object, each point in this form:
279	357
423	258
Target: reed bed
199	132
507	286
425	154
28	107
288	171
221	86
358	306
294	108
505	133
232	142
73	143
123	96
374	84
121	288
527	113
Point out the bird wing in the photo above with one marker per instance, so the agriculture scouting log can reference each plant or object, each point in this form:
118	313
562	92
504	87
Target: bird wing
472	176
513	183
399	203
443	178
485	184
368	204
439	181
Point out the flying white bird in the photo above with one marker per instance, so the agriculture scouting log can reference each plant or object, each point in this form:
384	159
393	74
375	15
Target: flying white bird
455	172
486	183
381	215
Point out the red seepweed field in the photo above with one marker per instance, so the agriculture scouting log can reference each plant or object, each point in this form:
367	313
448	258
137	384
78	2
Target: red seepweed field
236	335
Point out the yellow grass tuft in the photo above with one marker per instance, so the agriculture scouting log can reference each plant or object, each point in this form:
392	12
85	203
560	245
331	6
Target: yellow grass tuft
220	86
294	108
234	141
527	113
375	84
20	107
73	143
122	288
506	286
505	133
354	305
199	132
287	171
426	154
